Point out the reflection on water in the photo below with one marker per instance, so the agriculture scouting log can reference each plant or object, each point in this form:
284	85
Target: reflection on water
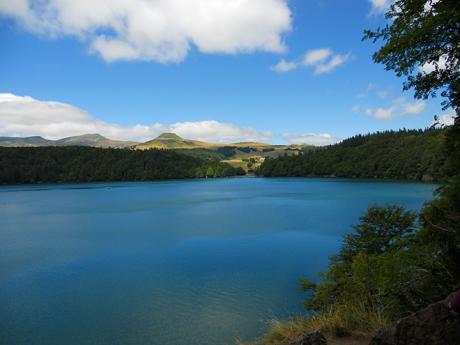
177	262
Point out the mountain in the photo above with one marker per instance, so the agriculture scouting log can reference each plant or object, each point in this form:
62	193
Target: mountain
94	140
25	142
173	141
246	155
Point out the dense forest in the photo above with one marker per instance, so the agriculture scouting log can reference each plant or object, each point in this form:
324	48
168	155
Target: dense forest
404	154
88	164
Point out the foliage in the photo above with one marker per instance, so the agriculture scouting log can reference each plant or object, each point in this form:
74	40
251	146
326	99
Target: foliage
381	230
423	32
247	149
384	267
404	154
87	164
202	153
441	227
227	151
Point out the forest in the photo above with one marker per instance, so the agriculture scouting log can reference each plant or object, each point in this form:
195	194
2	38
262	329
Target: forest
403	154
89	164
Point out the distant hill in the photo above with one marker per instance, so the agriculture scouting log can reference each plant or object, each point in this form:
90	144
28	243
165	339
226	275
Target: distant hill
25	142
173	141
93	140
247	155
404	154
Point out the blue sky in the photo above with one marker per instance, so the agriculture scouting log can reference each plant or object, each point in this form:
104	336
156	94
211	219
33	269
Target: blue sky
219	80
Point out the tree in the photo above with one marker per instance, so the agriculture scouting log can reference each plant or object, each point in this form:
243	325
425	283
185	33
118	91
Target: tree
423	43
380	230
382	270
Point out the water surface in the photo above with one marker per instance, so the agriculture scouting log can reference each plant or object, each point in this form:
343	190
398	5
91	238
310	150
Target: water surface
178	262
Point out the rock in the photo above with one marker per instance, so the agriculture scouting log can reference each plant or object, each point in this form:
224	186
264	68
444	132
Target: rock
436	324
455	302
315	338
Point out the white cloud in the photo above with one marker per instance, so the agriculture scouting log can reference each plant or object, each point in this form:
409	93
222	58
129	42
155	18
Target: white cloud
382	113
398	108
312	139
380	6
316	56
218	132
159	30
429	5
322	60
333	63
284	66
26	116
446	119
414	108
433	66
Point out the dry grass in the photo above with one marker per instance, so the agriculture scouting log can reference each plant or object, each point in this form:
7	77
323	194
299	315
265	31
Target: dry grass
343	324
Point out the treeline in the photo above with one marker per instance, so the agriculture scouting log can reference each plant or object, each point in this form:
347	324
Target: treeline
88	164
403	154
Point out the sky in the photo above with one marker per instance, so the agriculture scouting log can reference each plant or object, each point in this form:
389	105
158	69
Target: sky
277	71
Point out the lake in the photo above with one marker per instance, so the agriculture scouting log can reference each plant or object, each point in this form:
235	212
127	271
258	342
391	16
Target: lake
177	262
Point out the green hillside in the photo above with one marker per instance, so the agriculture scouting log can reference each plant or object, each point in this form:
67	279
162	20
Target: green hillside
405	154
248	155
173	141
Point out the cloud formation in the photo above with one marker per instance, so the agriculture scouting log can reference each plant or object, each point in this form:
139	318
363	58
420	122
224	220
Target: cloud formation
283	66
399	107
158	30
26	116
322	60
311	139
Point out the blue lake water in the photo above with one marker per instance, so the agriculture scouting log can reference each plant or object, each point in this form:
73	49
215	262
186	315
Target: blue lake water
178	262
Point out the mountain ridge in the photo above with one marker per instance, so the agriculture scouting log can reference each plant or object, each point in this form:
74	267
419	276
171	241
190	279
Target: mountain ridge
93	140
246	154
174	141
